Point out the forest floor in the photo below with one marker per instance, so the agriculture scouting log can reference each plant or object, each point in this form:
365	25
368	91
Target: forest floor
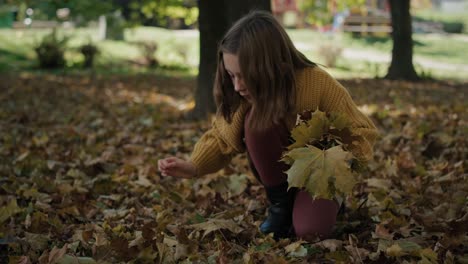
79	179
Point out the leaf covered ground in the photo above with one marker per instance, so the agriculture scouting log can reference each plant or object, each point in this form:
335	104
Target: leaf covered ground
79	181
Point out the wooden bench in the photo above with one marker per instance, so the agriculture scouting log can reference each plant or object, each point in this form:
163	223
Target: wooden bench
363	25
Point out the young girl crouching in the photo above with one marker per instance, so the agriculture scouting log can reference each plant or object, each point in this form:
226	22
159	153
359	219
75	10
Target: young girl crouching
262	83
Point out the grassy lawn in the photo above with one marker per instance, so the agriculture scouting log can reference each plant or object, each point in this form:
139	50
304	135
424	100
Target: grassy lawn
449	48
446	18
175	53
445	49
178	51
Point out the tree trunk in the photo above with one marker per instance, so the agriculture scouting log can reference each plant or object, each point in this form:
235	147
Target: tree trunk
212	24
401	66
215	18
237	9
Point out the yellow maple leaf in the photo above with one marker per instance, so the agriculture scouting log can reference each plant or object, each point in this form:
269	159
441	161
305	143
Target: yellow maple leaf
217	224
317	158
306	132
338	121
316	169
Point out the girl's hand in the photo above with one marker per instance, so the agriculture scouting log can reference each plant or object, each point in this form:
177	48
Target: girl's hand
177	168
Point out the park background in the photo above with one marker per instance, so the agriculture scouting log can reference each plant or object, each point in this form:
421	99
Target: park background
93	93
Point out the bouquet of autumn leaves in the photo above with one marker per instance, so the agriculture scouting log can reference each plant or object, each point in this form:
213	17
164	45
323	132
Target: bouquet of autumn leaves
320	162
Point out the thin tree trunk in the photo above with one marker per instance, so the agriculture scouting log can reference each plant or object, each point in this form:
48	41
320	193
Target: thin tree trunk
401	66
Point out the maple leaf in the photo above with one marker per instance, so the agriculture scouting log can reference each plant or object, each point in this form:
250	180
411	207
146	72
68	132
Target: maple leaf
338	121
402	248
311	127
309	131
296	249
217	224
9	210
57	253
317	158
37	242
316	169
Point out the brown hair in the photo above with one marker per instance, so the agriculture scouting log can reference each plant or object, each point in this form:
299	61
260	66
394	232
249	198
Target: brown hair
268	62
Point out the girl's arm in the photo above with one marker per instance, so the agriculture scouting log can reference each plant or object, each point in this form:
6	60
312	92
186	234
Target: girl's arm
216	147
213	151
176	167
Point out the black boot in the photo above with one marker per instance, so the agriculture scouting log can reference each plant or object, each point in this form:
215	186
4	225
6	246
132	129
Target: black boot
279	219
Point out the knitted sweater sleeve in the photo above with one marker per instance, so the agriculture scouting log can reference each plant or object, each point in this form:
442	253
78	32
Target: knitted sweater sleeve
335	98
218	145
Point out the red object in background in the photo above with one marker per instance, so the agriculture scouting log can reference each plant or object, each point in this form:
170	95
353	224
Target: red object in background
281	6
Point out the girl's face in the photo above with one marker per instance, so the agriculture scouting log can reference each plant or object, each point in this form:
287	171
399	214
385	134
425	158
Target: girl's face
231	64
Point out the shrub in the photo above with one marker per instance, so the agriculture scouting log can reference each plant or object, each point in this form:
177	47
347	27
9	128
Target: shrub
182	49
453	27
148	50
89	52
115	26
330	54
51	50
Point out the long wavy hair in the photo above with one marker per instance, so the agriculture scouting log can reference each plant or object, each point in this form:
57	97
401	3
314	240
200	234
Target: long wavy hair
268	63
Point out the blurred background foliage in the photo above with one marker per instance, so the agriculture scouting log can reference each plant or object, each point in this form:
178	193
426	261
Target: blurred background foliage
162	35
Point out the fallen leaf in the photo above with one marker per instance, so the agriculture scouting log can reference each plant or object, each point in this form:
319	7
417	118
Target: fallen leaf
379	183
382	232
138	239
68	259
237	184
9	210
293	246
56	254
217	224
358	254
402	248
330	244
24	260
21	157
300	252
38	242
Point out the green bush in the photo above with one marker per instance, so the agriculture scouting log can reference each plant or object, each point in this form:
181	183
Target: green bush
453	27
330	54
51	51
115	26
451	22
148	50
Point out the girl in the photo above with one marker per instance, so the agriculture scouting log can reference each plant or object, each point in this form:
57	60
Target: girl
262	82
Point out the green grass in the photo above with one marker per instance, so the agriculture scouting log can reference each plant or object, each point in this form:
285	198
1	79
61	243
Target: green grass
178	51
175	52
447	49
443	17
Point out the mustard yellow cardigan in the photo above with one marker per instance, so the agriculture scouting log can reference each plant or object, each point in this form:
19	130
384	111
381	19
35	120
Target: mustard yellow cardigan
315	89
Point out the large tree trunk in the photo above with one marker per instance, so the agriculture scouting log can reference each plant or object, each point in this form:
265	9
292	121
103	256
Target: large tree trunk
401	66
238	8
215	17
212	24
